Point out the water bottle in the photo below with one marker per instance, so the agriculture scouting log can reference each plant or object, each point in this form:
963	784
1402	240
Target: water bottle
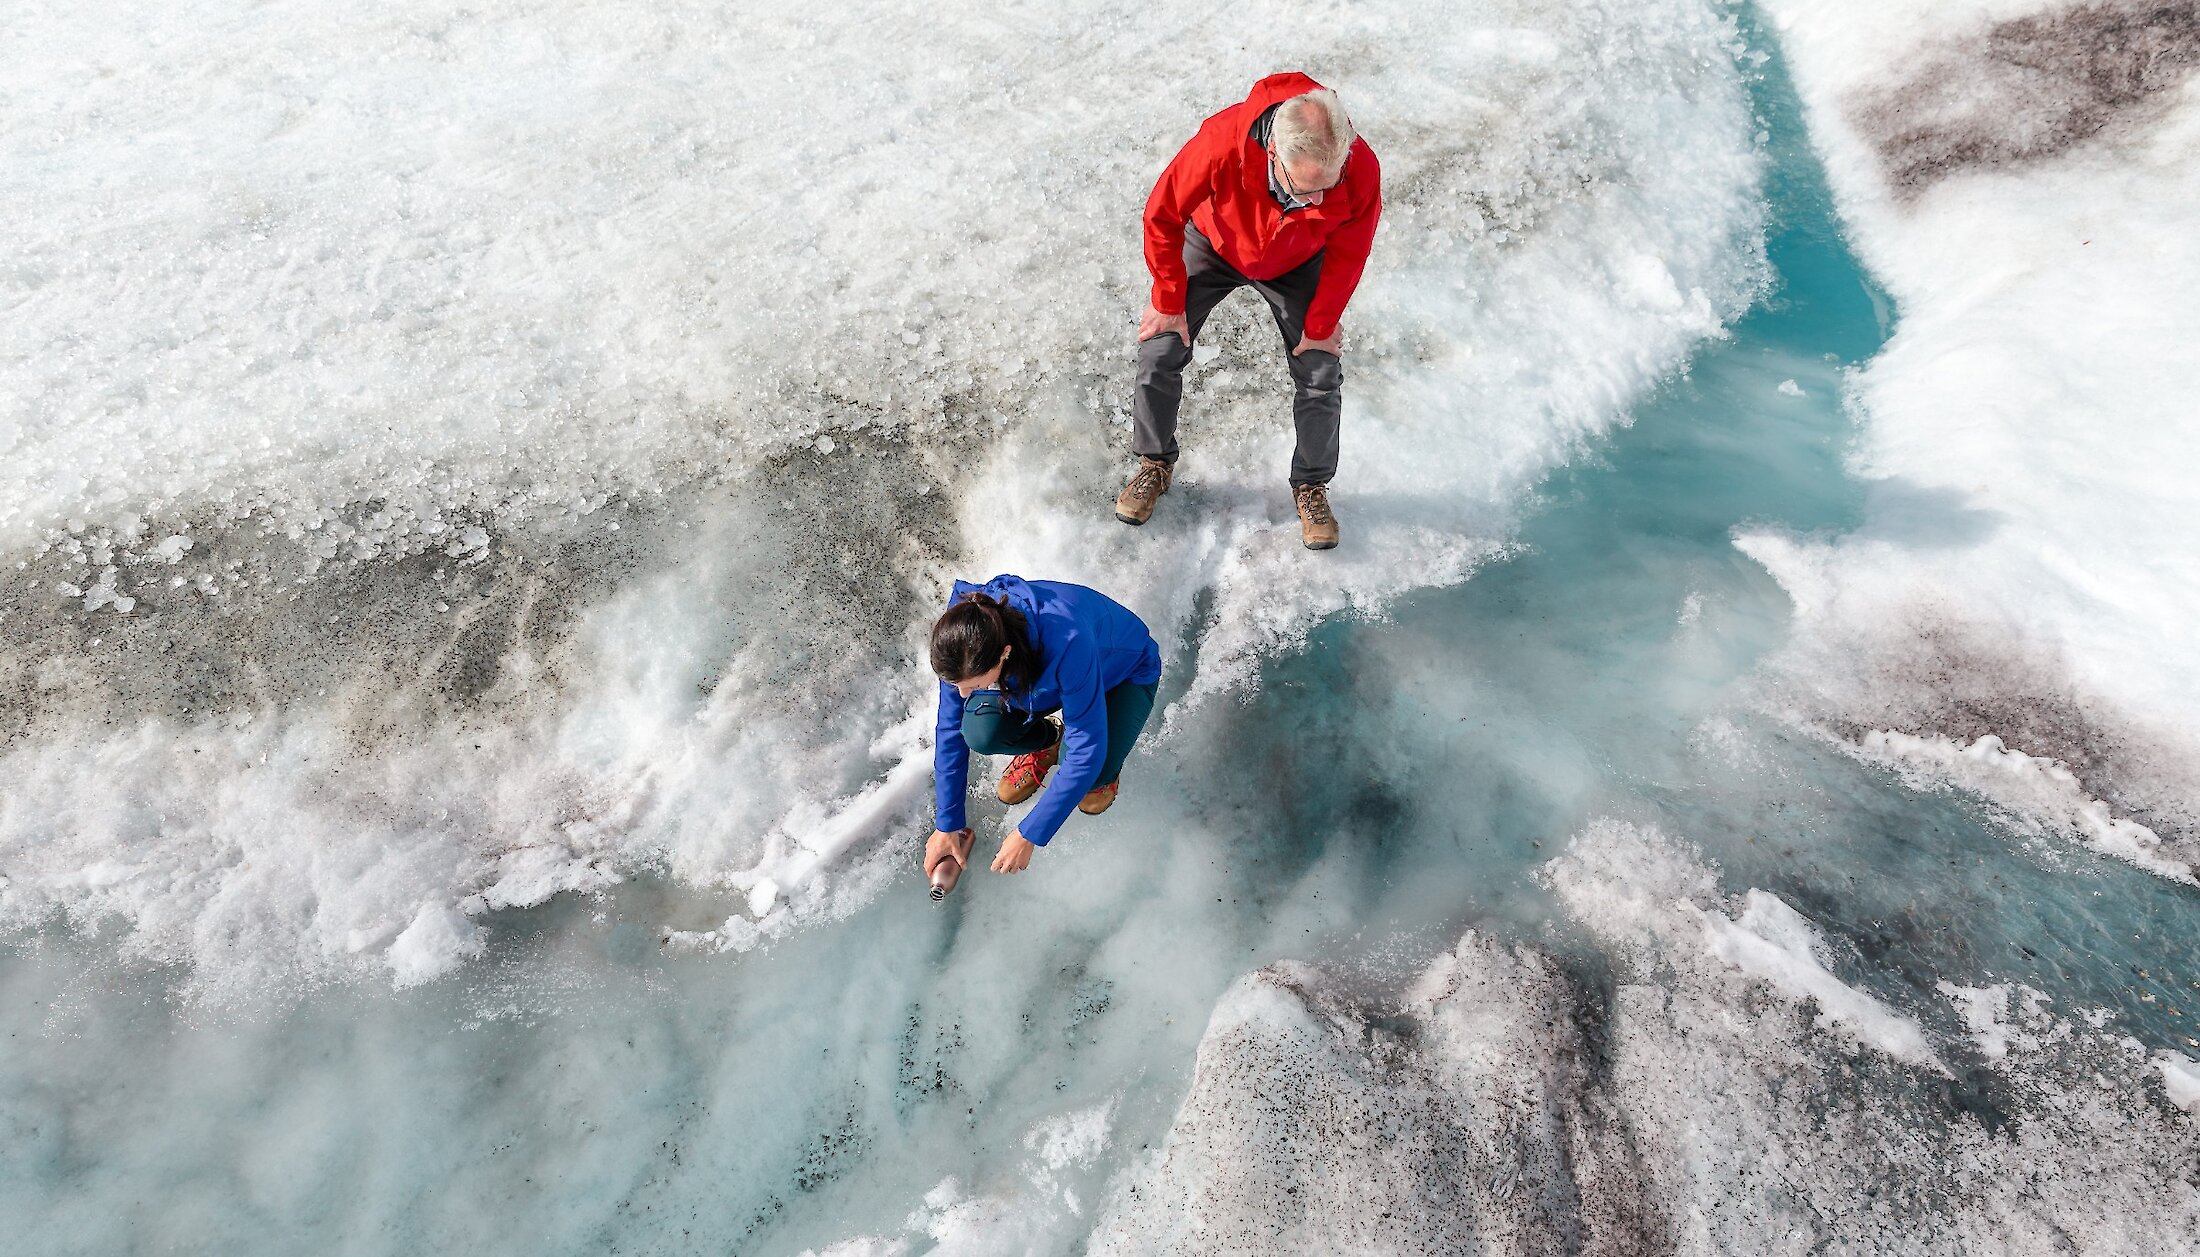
947	872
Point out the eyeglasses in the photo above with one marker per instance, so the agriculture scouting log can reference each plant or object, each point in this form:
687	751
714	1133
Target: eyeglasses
1283	176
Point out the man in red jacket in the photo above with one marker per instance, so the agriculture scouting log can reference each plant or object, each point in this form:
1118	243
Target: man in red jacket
1277	194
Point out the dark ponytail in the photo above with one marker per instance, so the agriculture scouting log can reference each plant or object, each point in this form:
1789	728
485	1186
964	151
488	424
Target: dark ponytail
967	641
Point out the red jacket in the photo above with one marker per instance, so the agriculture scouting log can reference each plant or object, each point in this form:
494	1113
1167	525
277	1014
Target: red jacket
1220	183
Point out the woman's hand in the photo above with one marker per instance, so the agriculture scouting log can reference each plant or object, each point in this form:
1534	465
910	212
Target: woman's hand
1015	854
942	846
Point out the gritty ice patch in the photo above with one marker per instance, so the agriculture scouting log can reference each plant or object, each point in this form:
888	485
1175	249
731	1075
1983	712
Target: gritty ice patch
1454	1120
1751	1122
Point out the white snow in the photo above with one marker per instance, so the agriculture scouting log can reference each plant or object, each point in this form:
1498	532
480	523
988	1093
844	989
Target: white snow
865	1246
1068	1139
2028	432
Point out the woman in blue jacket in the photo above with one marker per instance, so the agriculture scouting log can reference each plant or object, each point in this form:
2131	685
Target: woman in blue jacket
1010	653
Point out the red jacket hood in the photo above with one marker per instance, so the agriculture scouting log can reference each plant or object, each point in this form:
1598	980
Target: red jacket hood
1274	90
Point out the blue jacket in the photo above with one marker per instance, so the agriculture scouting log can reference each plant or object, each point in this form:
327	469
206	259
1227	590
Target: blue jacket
1088	644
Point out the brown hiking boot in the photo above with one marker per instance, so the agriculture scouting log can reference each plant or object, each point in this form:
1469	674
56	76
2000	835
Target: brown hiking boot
1134	505
1317	527
1099	800
1026	773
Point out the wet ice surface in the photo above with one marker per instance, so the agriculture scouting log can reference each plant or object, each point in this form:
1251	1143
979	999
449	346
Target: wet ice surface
1566	755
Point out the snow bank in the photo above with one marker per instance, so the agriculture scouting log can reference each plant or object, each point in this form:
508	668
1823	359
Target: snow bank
2020	176
492	450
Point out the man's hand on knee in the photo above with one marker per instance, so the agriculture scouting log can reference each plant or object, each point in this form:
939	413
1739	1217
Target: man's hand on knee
1327	346
1153	322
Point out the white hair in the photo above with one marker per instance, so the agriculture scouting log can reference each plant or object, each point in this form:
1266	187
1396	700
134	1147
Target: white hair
1312	127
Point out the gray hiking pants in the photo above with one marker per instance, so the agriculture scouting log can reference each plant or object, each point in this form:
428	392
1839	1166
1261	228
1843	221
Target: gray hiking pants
1317	378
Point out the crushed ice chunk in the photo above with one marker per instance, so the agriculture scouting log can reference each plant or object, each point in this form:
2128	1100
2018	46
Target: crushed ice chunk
1651	283
438	941
762	896
2180	1079
473	541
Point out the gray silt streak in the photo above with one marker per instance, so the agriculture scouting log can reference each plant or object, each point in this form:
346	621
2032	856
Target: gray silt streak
2028	89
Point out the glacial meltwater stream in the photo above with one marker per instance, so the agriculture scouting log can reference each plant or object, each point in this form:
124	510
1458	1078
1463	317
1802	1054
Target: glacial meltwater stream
998	1072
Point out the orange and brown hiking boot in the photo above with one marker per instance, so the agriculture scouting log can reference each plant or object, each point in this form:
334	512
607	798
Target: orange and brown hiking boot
1026	773
1317	526
1134	505
1100	799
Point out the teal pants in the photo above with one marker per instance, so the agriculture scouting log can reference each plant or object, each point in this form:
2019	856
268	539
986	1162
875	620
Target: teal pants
992	727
